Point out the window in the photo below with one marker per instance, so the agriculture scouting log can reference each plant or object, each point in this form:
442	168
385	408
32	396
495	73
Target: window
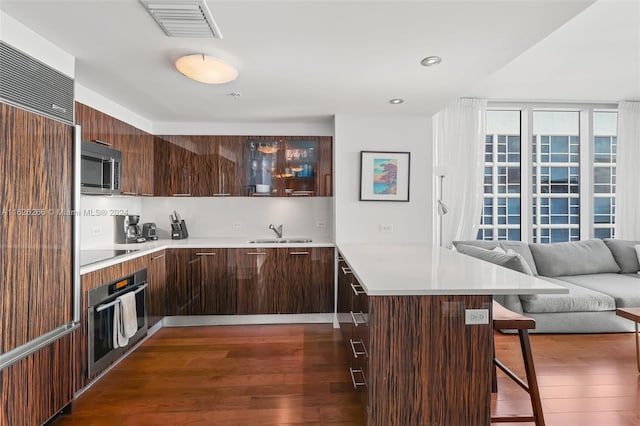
558	183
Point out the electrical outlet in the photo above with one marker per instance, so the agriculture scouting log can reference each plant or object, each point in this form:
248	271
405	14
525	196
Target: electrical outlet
386	227
96	230
476	316
321	224
236	225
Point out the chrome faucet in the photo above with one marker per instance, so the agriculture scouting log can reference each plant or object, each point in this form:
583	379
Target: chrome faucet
277	230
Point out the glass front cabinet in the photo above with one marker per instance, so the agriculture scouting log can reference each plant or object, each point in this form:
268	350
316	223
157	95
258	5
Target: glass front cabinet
291	167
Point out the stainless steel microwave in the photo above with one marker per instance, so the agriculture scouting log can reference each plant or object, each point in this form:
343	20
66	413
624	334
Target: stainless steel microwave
100	169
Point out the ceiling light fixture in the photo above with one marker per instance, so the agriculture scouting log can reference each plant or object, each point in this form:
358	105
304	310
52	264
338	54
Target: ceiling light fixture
396	101
206	69
430	61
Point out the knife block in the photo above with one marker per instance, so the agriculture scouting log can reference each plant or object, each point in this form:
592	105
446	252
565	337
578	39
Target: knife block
179	231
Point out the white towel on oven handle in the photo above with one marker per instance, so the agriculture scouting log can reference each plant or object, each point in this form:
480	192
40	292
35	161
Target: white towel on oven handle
125	319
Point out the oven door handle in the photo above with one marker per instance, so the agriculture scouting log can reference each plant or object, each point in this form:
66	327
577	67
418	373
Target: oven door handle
108	305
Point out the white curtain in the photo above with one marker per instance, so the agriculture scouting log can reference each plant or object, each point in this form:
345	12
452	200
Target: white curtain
459	133
627	168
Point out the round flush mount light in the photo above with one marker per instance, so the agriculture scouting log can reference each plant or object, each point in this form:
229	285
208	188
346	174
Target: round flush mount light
206	69
430	61
396	101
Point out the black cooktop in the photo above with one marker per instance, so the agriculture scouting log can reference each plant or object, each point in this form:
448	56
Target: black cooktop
92	256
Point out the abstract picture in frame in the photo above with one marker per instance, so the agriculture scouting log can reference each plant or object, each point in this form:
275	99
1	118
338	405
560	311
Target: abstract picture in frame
384	176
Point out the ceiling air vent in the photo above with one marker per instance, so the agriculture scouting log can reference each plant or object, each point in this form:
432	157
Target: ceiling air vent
187	19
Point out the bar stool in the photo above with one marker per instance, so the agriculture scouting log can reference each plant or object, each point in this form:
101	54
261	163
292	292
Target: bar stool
504	319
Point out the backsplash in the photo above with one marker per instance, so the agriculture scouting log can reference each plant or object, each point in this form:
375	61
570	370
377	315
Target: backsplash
97	223
223	217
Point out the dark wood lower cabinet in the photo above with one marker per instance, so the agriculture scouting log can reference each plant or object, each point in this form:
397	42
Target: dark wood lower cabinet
39	386
304	278
183	296
256	277
157	280
413	358
217	282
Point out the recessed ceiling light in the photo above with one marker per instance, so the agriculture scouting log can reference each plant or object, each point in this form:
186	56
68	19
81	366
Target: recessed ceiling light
430	61
206	69
396	101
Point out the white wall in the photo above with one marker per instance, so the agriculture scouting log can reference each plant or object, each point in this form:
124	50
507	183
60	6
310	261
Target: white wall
97	228
224	217
359	221
244	217
311	128
95	100
22	38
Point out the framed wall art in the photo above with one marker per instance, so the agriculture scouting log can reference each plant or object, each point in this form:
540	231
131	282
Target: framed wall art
384	176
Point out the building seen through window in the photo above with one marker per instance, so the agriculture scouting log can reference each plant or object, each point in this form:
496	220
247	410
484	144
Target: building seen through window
532	187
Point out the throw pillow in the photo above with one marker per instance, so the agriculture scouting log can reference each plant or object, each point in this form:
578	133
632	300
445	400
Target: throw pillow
575	258
624	254
510	261
637	247
525	265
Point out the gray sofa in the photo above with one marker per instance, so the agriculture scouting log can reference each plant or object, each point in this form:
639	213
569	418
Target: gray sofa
600	276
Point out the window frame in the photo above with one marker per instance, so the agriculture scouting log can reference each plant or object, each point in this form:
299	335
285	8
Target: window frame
586	191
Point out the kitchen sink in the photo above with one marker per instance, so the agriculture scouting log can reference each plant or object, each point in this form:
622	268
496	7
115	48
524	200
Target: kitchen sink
281	240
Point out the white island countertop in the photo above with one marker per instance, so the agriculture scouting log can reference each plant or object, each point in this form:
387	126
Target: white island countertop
419	269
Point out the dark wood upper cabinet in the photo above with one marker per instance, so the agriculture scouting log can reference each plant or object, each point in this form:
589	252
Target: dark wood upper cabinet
210	166
288	166
136	147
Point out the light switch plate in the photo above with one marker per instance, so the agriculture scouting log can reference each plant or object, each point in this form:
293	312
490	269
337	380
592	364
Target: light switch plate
476	316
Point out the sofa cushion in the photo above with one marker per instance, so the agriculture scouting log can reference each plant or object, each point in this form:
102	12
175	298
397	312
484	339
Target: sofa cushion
624	253
579	299
575	258
512	261
517	246
623	288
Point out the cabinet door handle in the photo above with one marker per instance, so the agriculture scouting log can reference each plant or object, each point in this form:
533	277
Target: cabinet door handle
298	253
257	254
147	195
181	195
158	257
346	270
357	323
102	142
357	289
353	372
355	351
128	193
206	254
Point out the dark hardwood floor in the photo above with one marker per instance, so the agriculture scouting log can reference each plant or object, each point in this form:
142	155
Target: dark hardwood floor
294	375
226	375
584	379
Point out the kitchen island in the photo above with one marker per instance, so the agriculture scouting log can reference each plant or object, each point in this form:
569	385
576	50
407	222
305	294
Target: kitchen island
426	364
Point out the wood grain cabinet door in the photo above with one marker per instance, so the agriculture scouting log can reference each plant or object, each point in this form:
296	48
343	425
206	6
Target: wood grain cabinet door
217	282
305	283
156	277
256	277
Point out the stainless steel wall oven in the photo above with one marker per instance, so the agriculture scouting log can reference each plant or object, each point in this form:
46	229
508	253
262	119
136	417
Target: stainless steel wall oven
102	301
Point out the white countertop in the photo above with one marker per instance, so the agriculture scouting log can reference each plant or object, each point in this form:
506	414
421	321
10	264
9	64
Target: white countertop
149	247
416	269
